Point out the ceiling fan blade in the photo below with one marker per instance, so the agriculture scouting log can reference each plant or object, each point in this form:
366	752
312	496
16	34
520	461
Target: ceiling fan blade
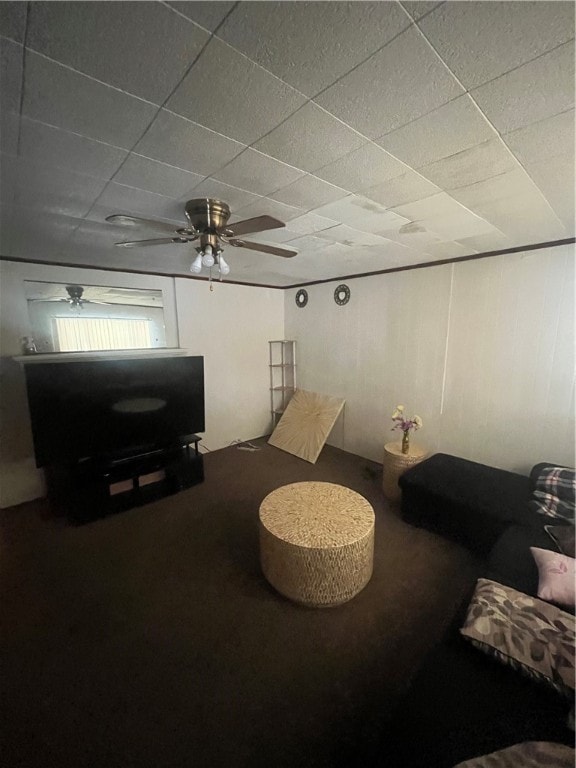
257	224
157	241
135	221
264	248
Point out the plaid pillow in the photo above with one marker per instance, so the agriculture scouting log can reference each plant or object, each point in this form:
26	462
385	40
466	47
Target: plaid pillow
555	493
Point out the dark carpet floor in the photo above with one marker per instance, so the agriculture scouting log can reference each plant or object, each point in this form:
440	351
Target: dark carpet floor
150	638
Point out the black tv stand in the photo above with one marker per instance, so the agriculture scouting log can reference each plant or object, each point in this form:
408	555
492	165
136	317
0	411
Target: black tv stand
101	485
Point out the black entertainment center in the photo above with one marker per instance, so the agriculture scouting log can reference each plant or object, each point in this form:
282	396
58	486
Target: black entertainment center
115	434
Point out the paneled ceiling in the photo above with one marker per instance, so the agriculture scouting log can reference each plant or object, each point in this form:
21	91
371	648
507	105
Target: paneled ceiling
385	134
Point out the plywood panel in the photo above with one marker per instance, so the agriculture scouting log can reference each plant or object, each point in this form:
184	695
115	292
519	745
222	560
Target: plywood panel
306	423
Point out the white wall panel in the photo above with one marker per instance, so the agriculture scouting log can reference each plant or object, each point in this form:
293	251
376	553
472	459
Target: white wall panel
231	327
482	350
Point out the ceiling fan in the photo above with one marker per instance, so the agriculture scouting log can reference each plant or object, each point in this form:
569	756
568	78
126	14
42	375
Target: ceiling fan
74	298
207	223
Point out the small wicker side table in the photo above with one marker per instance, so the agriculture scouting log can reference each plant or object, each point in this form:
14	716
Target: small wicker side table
395	464
316	542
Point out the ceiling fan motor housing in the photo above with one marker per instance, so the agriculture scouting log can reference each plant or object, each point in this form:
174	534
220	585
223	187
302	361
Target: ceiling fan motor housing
207	215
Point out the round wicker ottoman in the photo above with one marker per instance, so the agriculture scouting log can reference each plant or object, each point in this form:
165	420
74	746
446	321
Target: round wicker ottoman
316	542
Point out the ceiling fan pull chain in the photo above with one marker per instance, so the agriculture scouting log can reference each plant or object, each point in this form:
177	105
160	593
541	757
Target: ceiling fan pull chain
210	279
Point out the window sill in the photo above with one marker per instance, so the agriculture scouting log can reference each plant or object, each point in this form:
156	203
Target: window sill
111	354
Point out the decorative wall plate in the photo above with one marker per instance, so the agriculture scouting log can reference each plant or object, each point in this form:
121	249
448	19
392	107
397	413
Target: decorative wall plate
342	295
302	298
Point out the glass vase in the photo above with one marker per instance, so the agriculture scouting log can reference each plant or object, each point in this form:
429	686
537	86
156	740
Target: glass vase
405	441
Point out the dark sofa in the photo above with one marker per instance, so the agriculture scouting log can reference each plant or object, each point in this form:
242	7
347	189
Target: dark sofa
461	702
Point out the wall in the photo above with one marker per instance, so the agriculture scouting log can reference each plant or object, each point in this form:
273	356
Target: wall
483	351
230	326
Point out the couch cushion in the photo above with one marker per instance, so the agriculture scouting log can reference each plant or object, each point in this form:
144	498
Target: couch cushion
556	576
468	502
530	635
563	537
510	561
530	754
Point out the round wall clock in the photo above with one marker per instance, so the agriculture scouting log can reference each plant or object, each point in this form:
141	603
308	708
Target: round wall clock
342	295
302	298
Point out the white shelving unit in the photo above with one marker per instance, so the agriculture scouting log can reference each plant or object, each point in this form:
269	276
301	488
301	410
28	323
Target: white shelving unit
282	376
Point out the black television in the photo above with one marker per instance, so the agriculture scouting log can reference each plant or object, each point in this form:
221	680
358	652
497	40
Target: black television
110	409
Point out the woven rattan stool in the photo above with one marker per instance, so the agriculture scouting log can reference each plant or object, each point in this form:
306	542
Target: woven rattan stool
316	542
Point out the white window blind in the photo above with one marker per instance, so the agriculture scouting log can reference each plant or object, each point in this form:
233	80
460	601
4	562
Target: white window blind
83	334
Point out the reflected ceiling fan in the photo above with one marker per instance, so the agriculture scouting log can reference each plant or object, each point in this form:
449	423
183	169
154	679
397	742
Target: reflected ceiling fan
74	298
207	223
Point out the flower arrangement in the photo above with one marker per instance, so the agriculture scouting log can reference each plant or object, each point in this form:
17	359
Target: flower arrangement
405	425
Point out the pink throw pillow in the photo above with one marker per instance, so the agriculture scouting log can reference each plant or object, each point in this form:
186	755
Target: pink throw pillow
556	576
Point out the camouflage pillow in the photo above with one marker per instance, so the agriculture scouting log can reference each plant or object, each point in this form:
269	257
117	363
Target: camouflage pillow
530	635
530	754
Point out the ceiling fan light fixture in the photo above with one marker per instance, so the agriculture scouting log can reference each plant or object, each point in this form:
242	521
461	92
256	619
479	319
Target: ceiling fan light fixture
196	265
208	257
224	268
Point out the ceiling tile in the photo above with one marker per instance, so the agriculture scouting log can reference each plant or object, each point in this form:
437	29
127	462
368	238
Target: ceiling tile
250	103
551	137
310	45
309	243
265	205
208	14
514	205
106	41
47	188
309	192
492	241
407	188
538	90
43	143
311	223
554	177
363	168
236	198
414	236
448	250
11	55
154	176
349	236
63	98
419	8
449	129
444	216
310	139
487	159
257	173
179	142
407	71
9	131
480	41
360	213
122	199
13	20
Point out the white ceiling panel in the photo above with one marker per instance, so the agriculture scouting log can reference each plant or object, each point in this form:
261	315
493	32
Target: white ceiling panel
514	205
347	121
258	173
451	128
547	138
526	95
310	139
363	168
310	45
481	41
480	162
179	142
361	213
106	41
13	20
208	14
407	188
43	143
61	97
388	90
154	176
242	87
309	192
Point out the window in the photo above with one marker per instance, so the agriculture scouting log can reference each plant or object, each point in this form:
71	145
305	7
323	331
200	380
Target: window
79	334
